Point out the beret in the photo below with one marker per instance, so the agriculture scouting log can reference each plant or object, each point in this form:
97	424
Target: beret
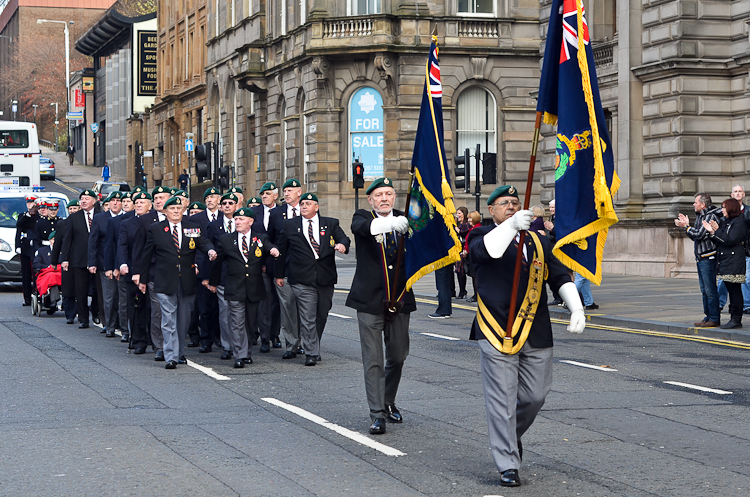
127	195
88	193
235	189
107	198
138	188
291	183
51	236
173	190
211	191
379	183
176	200
159	189
245	211
270	185
254	200
502	191
229	196
197	205
181	193
309	196
117	195
73	203
141	195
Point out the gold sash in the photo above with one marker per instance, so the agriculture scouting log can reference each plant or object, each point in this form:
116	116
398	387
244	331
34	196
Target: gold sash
492	330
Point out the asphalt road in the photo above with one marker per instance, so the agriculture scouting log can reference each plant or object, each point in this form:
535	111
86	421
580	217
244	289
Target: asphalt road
82	417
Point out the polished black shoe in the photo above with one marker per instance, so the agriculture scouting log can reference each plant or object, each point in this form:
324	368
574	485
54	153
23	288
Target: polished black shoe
125	338
170	365
510	478
96	320
139	350
265	348
83	326
70	321
300	350
317	358
592	307
204	349
393	414
102	330
289	355
239	364
471	299
247	360
310	361
110	334
254	341
159	356
226	355
182	360
377	427
276	344
193	344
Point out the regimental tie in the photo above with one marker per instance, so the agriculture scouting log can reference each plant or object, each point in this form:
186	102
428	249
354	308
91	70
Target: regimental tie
88	218
176	237
311	236
229	226
294	212
245	250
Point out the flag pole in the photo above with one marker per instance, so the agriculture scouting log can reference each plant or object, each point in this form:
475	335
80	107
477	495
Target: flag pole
519	254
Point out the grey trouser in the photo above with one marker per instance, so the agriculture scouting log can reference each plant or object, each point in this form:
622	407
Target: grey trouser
381	380
289	315
122	303
312	302
225	330
515	387
156	335
110	298
175	320
242	318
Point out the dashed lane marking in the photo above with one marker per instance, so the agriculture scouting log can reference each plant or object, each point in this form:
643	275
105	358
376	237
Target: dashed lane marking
435	335
589	366
698	387
352	435
208	371
339	315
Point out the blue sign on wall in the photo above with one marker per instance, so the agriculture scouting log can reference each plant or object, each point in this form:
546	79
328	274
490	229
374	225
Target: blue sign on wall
366	128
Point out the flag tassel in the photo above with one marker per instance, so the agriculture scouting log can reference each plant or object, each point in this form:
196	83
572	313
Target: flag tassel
522	240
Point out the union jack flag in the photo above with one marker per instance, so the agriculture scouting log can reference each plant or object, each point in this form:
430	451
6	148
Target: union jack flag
436	87
570	29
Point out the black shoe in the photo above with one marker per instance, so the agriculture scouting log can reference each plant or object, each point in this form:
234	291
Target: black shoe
239	364
83	326
557	301
309	360
217	343
125	338
70	321
193	344
592	307
139	351
159	356
265	348
462	295
471	299
276	344
26	304
510	478
435	315
204	350
289	355
247	360
254	341
300	350
318	358
731	324
170	365
226	355
377	427
103	330
393	414
96	320
110	334
182	360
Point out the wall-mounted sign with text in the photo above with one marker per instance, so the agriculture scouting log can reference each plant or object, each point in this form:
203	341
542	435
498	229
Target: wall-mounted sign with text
147	63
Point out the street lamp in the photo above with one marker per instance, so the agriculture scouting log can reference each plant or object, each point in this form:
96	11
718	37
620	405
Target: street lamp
67	70
56	121
35	106
14	108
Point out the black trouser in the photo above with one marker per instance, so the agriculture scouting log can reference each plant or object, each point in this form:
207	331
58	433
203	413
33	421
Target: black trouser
461	283
139	317
82	281
736	302
26	278
208	319
97	302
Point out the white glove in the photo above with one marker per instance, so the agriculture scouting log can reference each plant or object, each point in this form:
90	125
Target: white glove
380	225
18	250
400	224
569	293
521	220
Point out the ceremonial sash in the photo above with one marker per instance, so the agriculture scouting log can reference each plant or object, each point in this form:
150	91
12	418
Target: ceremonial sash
489	326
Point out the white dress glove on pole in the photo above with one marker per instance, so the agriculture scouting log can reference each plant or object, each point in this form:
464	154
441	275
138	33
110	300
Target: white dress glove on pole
497	240
569	293
400	224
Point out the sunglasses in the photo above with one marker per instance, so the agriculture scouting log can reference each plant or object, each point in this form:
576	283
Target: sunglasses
228	202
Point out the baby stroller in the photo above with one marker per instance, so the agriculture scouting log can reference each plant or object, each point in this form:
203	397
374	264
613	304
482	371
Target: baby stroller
47	291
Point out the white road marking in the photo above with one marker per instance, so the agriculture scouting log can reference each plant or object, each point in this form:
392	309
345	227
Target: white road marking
590	366
353	435
435	335
339	315
208	371
697	387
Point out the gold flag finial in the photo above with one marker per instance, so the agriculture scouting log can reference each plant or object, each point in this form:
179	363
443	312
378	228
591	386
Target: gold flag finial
434	31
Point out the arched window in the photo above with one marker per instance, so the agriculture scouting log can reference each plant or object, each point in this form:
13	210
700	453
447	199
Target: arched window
477	121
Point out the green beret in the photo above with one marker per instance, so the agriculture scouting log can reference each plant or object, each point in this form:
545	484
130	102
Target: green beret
197	205
107	198
51	236
229	196
502	191
211	191
89	193
181	193
309	196
127	195
291	183
245	211
117	195
267	186
378	183
73	203
138	188
159	189
174	201
141	195
254	200
235	189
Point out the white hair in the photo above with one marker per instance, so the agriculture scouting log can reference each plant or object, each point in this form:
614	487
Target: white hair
552	202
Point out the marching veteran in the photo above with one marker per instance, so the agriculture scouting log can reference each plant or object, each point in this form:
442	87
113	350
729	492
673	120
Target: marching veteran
173	243
243	254
517	370
377	252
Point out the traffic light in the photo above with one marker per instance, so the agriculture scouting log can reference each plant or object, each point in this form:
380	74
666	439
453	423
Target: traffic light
489	168
203	162
224	177
358	174
461	173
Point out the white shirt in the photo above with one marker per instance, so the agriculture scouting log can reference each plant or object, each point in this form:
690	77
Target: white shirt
266	215
212	216
161	216
179	231
115	215
89	215
290	213
315	221
248	239
226	224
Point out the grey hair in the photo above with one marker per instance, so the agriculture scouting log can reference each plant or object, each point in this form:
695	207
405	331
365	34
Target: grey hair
704	197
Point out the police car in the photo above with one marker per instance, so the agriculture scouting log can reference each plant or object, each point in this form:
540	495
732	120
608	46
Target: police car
13	204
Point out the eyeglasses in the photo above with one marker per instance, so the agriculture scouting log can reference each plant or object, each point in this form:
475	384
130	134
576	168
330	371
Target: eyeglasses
386	193
504	203
228	202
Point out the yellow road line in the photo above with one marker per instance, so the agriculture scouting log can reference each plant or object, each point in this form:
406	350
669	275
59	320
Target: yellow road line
70	188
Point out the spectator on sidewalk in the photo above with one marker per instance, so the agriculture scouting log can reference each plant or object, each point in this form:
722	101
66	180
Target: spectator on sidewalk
584	288
71	153
105	172
475	220
549	228
184	179
157	175
462	228
705	256
738	193
537	222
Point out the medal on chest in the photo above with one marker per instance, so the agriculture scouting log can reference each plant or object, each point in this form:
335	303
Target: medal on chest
191	245
258	252
332	242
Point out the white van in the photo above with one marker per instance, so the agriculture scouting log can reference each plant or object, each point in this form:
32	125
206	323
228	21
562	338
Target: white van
19	155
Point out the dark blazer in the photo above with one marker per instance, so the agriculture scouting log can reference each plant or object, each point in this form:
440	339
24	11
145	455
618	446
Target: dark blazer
126	243
297	261
728	239
111	238
204	265
260	228
215	232
175	268
60	231
144	223
43	258
366	294
25	226
75	248
96	240
244	280
44	226
276	220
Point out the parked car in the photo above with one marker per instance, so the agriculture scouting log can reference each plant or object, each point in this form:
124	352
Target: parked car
46	168
104	188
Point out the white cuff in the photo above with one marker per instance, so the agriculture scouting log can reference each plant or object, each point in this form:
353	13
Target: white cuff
496	241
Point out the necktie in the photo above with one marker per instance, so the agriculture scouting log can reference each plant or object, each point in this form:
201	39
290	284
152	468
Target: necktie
244	246
294	212
229	226
311	236
88	218
213	217
175	237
